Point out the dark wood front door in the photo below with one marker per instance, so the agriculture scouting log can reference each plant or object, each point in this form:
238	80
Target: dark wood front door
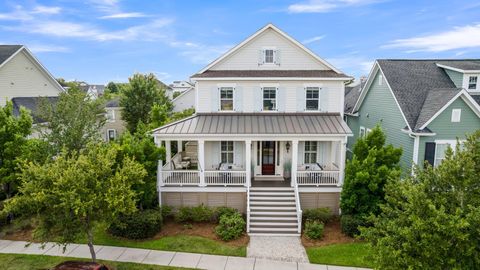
268	158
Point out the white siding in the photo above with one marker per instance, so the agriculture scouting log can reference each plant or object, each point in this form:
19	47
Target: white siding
212	154
292	92
184	101
21	77
247	57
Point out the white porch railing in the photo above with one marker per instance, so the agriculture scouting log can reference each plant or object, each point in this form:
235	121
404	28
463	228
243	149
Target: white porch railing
318	178
179	177
225	178
298	208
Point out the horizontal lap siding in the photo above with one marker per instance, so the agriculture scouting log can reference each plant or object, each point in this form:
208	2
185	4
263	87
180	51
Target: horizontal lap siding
310	200
237	200
446	130
456	77
380	106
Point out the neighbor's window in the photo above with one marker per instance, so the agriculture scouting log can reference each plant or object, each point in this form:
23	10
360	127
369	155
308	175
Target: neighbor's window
226	99
472	82
110	115
111	134
269	98
362	132
269	56
312	98
227	152
456	115
310	152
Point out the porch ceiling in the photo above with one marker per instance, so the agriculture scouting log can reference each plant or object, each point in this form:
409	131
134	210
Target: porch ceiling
258	124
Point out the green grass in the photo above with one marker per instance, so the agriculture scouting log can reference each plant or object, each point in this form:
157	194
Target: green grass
37	262
184	243
350	254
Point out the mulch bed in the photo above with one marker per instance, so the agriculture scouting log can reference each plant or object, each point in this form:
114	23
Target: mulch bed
74	265
332	234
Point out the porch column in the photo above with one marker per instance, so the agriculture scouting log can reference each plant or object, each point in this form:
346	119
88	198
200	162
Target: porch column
248	161
179	146
343	150
293	181
201	161
168	151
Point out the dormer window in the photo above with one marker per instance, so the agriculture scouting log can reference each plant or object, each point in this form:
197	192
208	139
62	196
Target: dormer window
472	83
269	56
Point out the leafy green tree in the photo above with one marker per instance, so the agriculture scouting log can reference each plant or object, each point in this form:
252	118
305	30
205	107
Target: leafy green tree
176	94
138	98
373	163
13	138
73	121
431	220
112	88
73	193
181	115
141	147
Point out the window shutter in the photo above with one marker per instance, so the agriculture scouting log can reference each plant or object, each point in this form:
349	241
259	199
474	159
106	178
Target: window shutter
281	99
323	102
261	58
216	155
301	153
215	98
277	57
238	99
258	100
430	152
320	153
301	99
238	153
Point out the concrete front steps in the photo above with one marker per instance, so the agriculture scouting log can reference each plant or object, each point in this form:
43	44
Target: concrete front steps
273	211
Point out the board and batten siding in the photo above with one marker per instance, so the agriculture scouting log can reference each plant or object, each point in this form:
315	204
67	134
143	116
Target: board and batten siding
21	77
445	129
456	77
379	107
236	200
292	57
309	200
290	95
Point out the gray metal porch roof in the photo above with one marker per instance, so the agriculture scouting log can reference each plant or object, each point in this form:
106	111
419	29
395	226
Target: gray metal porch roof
258	123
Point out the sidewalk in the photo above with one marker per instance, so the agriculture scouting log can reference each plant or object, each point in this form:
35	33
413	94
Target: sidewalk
157	257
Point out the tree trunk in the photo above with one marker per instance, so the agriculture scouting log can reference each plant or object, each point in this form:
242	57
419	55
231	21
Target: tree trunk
90	240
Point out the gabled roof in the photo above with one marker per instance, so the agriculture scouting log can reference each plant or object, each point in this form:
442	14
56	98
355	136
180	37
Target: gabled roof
31	104
263	29
352	93
7	51
420	87
466	65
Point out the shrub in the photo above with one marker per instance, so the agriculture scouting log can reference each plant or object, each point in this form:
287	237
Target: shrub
139	225
230	226
350	224
313	229
167	211
223	210
323	214
199	213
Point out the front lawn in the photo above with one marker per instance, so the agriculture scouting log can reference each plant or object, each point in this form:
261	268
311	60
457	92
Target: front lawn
38	262
345	254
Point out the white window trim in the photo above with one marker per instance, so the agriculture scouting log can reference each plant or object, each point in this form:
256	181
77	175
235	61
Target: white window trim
220	99
305	152
476	84
318	106
362	129
264	55
367	131
233	152
455	120
276	97
113	115
114	134
452	144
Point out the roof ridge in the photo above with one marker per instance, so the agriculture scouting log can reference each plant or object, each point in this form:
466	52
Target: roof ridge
427	59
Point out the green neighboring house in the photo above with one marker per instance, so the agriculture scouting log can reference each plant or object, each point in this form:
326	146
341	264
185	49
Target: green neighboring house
422	105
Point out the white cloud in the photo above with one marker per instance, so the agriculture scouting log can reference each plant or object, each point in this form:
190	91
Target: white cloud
18	14
353	64
313	39
322	6
204	54
105	5
125	15
458	38
47	48
46	10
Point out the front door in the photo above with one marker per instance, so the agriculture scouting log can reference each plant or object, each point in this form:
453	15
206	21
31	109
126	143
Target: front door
268	158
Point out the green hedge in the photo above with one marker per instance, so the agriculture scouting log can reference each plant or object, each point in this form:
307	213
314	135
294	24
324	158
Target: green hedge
313	229
230	227
323	214
350	224
139	225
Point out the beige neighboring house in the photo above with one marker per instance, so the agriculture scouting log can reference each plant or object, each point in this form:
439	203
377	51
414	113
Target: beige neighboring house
23	76
114	125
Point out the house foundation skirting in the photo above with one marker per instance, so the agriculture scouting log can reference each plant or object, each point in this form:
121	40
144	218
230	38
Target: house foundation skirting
236	200
310	200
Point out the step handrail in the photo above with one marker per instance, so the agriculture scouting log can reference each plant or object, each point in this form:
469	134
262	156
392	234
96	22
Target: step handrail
248	209
299	209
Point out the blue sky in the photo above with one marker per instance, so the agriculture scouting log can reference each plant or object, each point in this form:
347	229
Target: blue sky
108	40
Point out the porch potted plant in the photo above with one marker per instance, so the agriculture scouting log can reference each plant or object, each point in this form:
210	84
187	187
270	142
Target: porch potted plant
287	169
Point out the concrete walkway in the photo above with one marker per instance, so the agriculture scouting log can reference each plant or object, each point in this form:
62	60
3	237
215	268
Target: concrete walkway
277	248
157	257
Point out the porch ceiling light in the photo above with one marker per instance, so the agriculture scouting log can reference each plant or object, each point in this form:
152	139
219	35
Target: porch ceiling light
287	146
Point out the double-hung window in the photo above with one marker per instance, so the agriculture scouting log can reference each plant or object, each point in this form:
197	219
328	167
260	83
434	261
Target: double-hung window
226	98
472	83
226	150
441	147
312	98
111	135
269	57
362	132
310	152
110	115
269	98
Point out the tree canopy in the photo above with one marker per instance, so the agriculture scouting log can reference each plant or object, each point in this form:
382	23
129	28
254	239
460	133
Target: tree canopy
71	194
431	220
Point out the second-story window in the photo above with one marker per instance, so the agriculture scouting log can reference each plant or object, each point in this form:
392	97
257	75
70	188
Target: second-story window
269	56
312	98
472	83
269	98
226	99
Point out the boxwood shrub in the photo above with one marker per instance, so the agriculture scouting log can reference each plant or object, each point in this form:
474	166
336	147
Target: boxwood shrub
313	229
323	214
199	213
350	224
139	225
230	227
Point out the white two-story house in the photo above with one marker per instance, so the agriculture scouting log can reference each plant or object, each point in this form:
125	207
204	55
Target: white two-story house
268	135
